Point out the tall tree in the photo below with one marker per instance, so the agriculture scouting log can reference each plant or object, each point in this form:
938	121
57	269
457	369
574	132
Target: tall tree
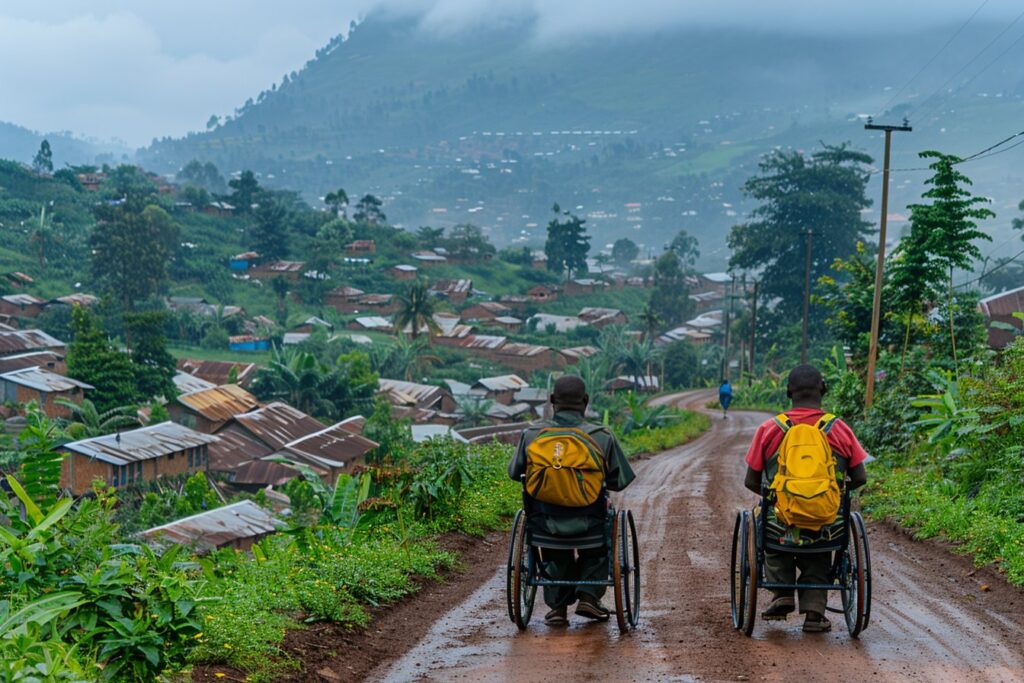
567	244
670	297
94	360
415	309
132	243
369	211
337	202
43	160
686	247
204	176
468	241
246	191
624	251
825	193
269	236
949	223
154	367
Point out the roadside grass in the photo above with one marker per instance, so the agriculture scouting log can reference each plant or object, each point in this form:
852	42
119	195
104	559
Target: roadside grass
689	426
926	504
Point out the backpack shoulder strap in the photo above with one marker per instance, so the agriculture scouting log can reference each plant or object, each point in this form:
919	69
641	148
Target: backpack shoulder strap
826	422
783	422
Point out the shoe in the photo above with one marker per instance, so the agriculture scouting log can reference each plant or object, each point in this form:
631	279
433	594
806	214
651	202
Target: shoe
779	608
557	617
591	608
816	623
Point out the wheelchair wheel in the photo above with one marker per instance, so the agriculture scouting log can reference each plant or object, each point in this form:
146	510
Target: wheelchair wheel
750	553
866	561
852	577
522	566
626	570
737	585
510	565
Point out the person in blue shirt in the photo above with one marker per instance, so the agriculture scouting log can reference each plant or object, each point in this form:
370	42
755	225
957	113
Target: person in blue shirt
725	397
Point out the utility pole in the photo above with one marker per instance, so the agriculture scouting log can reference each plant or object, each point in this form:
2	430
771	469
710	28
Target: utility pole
876	304
728	324
753	332
807	293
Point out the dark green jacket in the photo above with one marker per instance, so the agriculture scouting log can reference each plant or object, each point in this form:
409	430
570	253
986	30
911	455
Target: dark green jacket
618	473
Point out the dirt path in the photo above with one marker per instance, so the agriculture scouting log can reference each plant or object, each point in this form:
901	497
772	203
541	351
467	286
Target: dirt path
931	618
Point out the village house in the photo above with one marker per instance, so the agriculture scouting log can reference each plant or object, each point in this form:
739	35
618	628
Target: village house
541	294
21	305
186	383
539	260
18	279
426	396
640	383
371	323
47	360
202	307
508	323
583	286
602	317
289	270
218	372
525	358
144	454
499	413
517	302
219	209
91	182
574	354
312	323
684	333
77	299
548	322
238	526
482	345
14	342
241	263
637	281
454	291
453	335
1000	308
42	386
429	258
500	389
484	311
207	410
248	343
379	304
403	272
358	247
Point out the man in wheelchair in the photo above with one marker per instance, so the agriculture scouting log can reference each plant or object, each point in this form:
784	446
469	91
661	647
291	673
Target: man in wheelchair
802	511
567	466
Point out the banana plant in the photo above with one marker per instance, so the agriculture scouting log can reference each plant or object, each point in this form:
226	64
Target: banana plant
946	420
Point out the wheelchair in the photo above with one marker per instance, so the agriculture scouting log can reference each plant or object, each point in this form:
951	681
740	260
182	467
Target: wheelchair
525	574
849	573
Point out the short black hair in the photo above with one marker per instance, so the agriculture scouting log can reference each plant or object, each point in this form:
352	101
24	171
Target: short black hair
805	382
569	392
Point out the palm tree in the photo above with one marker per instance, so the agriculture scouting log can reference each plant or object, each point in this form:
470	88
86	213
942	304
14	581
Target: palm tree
298	379
87	422
406	358
594	371
650	320
472	411
636	360
415	309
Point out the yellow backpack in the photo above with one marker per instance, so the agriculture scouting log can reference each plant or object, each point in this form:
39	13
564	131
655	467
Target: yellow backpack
807	494
564	466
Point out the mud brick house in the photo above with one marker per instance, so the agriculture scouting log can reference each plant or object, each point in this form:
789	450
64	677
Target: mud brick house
242	262
207	410
574	354
1000	308
343	299
403	271
542	294
602	317
361	247
186	383
309	324
582	286
15	342
218	372
220	209
47	360
376	304
426	396
237	526
77	299
371	323
508	323
517	302
455	291
483	345
428	259
485	311
289	270
639	383
525	358
21	305
145	454
43	387
500	389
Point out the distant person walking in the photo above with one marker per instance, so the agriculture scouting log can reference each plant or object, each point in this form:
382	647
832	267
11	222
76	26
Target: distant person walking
725	397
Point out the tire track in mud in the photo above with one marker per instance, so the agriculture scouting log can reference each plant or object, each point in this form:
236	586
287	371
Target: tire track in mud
930	620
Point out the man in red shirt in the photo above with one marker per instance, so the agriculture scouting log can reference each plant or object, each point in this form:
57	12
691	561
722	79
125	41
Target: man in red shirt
806	388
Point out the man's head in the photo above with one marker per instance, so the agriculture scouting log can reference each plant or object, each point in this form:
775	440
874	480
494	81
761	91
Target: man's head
569	393
805	386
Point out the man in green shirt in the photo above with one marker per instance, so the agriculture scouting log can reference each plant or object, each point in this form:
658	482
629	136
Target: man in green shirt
573	526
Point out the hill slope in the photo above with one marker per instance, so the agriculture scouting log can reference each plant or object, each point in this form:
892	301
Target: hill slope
491	128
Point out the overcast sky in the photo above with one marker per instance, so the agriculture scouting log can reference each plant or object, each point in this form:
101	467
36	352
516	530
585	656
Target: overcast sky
138	70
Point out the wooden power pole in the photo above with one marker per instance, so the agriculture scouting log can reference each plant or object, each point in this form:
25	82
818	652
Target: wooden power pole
753	331
876	304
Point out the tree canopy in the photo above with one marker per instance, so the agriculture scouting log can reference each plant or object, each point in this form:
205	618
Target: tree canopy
567	244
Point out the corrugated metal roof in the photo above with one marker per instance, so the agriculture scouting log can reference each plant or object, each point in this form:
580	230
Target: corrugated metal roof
332	446
41	379
32	359
278	424
374	322
22	299
595	314
502	383
448	287
523	350
562	323
293	338
236	447
1006	303
146	443
264	473
483	341
285	266
580	351
79	299
354	424
423	395
17	341
216	371
219	527
220	404
187	383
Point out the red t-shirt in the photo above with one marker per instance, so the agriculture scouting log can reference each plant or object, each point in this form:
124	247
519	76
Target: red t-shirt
768	438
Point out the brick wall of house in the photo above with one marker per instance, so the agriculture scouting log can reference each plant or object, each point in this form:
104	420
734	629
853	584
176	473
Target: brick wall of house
79	471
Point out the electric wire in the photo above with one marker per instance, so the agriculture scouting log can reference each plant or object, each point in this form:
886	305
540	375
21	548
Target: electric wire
983	154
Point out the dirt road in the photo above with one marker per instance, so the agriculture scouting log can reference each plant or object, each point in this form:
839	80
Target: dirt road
931	620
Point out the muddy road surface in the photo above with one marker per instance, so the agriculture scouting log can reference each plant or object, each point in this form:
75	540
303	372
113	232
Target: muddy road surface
933	617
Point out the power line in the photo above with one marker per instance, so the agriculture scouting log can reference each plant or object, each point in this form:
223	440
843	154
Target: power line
1002	264
983	154
971	61
935	56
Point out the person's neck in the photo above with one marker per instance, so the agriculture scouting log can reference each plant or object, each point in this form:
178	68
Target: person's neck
813	405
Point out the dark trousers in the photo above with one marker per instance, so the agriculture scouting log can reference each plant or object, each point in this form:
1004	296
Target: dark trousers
590	564
780	567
